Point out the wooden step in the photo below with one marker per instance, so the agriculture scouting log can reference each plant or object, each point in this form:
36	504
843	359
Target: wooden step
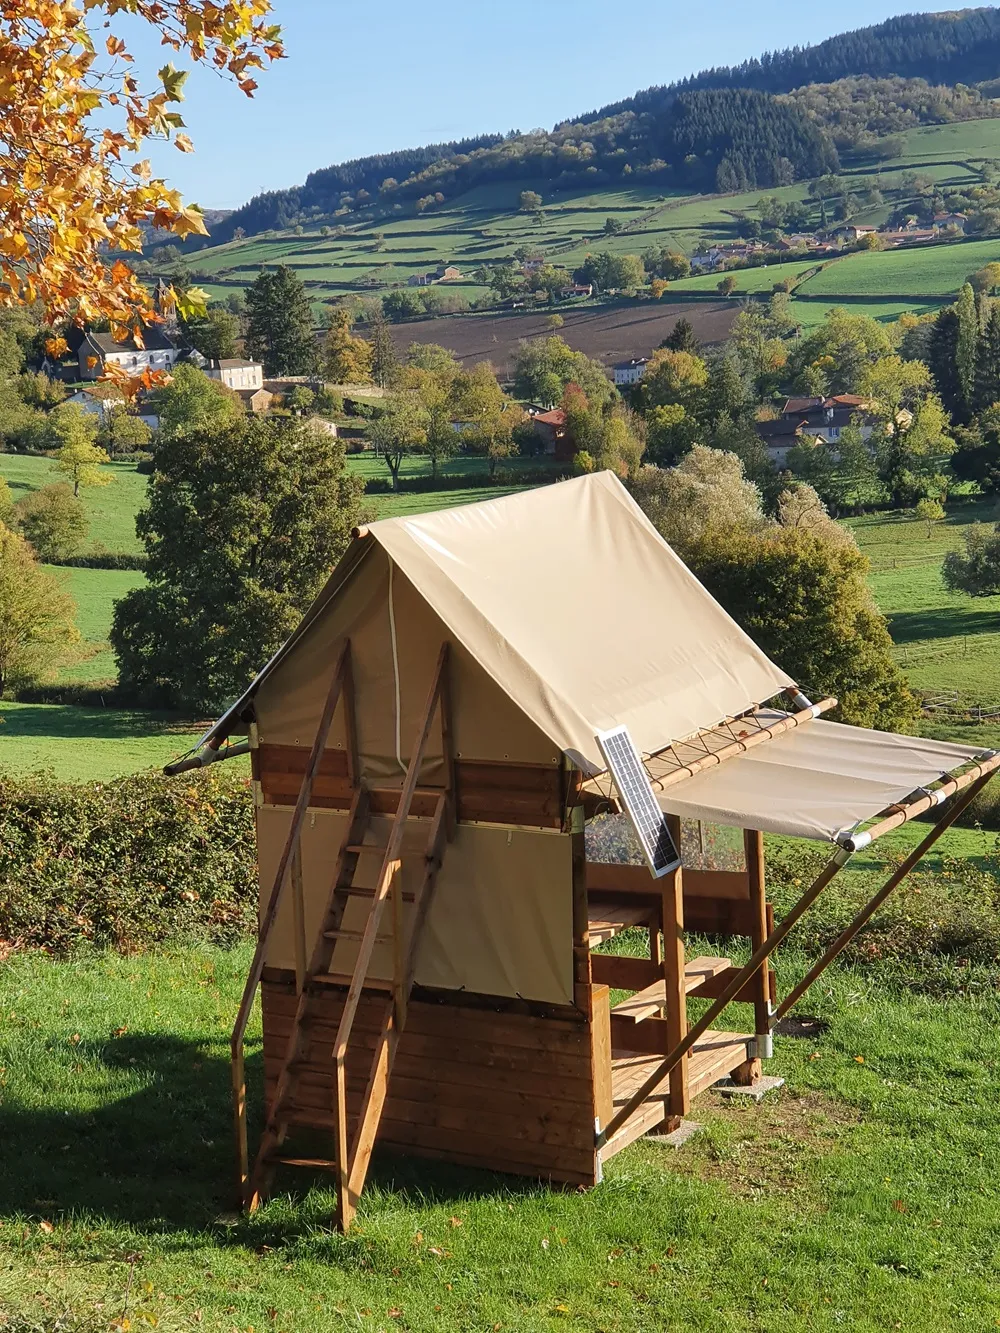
356	891
651	1002
314	1163
355	935
607	921
345	979
714	1055
360	847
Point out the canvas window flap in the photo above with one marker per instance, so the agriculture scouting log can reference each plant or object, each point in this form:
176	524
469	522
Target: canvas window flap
815	781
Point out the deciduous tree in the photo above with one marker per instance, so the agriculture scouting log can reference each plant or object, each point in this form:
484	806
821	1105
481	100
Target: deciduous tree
54	521
242	525
76	113
77	455
348	358
399	429
37	629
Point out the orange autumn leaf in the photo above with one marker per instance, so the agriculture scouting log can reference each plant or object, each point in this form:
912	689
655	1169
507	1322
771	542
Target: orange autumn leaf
74	185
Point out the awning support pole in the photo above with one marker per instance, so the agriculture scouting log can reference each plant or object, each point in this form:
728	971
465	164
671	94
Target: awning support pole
893	882
757	959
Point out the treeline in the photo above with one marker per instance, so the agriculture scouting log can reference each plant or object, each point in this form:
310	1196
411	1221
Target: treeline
960	46
323	190
766	122
738	140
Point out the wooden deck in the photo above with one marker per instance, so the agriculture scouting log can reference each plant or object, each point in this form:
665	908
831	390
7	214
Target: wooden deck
712	1058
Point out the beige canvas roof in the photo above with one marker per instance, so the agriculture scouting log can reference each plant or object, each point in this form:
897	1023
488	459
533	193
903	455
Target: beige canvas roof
574	604
817	781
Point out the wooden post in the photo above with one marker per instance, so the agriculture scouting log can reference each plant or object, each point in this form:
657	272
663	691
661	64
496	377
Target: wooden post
673	977
298	919
753	845
581	920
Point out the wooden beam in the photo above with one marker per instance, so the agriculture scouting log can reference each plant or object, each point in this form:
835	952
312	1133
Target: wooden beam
257	965
741	746
904	813
675	1008
758	958
753	846
869	910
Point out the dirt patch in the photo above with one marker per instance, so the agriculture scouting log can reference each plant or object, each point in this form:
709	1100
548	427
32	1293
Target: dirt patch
766	1148
607	333
801	1025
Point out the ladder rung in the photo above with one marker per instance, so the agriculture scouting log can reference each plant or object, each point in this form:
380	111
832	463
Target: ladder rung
345	979
364	847
356	891
355	935
321	1163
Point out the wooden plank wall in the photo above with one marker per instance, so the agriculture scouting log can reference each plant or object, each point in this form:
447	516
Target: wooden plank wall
507	1091
496	792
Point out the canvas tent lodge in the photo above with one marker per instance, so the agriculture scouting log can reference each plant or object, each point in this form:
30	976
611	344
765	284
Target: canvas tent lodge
424	762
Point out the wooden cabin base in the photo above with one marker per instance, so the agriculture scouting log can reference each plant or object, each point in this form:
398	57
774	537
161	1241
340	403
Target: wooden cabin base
507	1091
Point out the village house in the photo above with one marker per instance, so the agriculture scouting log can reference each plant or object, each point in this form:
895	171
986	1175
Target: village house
160	351
420	280
629	372
955	222
448	273
577	289
550	427
256	400
101	405
815	418
851	232
236	373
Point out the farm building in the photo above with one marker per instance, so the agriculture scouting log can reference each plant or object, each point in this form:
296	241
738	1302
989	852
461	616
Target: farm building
427	751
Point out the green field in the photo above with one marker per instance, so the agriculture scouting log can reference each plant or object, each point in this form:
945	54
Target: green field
863	1196
88	744
111	509
484	225
945	641
923	271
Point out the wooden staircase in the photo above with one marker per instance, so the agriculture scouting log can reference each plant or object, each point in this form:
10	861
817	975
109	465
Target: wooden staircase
349	1161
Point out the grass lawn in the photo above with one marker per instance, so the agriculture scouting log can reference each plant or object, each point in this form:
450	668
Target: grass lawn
95	592
945	641
863	1196
88	744
111	509
927	270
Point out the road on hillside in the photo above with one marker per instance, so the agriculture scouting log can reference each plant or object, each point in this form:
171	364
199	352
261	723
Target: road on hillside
608	334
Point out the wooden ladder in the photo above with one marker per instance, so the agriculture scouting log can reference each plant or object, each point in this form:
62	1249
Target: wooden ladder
349	1163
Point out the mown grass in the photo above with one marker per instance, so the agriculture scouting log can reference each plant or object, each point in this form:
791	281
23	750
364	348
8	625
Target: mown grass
863	1196
111	509
88	744
945	641
925	270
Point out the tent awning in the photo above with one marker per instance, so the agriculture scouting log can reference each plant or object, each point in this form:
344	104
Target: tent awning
818	781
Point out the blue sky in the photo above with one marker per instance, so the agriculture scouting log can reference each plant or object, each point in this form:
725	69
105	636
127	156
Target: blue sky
368	78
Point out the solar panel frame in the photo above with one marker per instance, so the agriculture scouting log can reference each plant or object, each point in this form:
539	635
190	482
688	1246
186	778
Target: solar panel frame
637	796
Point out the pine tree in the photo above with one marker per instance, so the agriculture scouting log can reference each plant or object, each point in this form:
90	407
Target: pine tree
966	345
987	387
385	363
682	338
280	324
943	361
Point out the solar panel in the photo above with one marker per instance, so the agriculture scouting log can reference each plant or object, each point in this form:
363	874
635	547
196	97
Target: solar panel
639	800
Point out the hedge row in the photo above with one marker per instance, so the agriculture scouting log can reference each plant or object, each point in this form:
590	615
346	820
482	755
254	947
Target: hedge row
127	864
105	560
452	481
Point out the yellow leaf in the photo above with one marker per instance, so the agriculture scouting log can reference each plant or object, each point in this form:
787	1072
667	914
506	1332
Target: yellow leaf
184	143
47	1227
860	1059
189	222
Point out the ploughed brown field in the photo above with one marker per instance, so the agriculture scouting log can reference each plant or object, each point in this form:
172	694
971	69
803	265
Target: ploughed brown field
608	334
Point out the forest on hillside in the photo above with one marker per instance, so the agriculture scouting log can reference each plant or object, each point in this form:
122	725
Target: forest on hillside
768	122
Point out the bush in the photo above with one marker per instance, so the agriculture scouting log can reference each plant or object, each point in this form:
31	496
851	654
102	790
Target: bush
54	521
127	864
99	559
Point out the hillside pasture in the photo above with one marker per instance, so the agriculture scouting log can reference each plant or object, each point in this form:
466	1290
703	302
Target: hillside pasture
945	642
928	271
110	509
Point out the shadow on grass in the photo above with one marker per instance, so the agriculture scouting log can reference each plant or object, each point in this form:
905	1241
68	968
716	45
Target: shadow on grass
163	1159
942	623
74	720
